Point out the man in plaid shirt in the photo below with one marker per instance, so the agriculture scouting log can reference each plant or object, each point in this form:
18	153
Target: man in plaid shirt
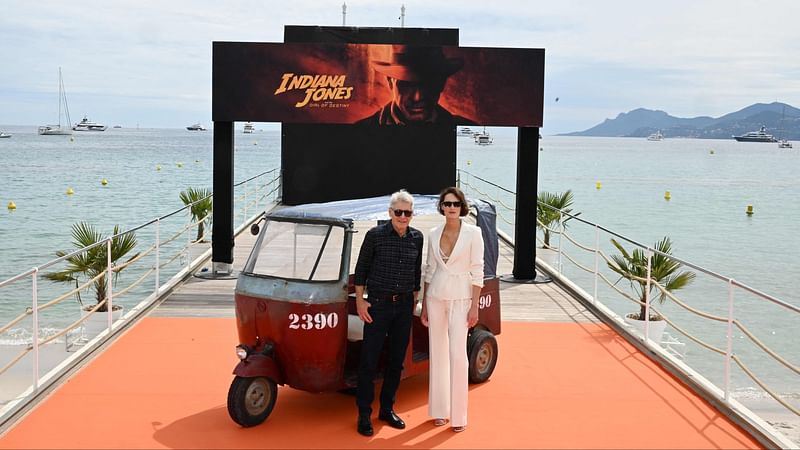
389	267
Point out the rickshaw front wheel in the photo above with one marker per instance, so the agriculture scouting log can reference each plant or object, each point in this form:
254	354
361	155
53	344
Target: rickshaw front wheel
251	399
482	351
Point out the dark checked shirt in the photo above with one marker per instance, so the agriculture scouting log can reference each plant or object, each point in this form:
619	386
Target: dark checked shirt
389	263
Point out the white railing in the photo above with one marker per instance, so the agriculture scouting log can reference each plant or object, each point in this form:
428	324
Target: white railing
760	355
47	335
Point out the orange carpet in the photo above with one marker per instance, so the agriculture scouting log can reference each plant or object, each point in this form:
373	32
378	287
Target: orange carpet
164	385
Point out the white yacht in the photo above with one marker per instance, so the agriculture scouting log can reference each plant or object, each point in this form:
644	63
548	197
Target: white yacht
87	125
657	136
465	131
196	127
4	135
783	143
58	130
756	136
483	138
249	128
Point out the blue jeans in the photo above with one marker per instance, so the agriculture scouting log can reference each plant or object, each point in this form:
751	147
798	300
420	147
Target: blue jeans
392	320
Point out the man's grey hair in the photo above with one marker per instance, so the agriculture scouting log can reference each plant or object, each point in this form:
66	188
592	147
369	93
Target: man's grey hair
401	196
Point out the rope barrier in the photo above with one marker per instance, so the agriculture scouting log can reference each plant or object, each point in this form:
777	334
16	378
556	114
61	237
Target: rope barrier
764	386
763	346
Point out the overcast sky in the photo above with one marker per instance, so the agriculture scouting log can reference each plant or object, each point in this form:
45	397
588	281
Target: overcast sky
149	62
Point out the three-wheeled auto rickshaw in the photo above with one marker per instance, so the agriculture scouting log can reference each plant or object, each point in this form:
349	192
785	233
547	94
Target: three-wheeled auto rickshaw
295	303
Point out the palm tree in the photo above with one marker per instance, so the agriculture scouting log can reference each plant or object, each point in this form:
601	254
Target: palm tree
94	261
201	206
545	217
663	270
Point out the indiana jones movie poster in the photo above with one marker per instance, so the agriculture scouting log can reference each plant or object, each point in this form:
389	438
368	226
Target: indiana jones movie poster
377	84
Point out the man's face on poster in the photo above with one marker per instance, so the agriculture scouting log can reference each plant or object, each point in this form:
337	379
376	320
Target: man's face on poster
416	100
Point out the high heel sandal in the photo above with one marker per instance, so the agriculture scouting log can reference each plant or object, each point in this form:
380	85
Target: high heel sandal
439	422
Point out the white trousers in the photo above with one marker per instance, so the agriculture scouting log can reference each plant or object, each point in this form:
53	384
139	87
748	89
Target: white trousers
447	334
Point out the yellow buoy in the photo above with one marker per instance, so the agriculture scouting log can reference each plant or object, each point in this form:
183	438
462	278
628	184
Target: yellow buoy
70	191
158	166
469	162
180	164
197	160
598	185
104	182
667	195
255	142
71	139
12	206
711	151
749	210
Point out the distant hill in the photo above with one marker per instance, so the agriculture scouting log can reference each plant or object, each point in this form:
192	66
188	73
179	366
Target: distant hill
642	122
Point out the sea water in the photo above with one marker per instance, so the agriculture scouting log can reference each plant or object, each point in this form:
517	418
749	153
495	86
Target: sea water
620	184
711	182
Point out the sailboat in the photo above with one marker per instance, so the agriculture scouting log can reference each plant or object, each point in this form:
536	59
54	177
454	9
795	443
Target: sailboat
783	143
59	130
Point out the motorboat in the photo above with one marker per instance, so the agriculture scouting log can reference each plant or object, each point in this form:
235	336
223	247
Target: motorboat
87	125
196	127
4	135
756	136
59	130
483	138
657	136
249	128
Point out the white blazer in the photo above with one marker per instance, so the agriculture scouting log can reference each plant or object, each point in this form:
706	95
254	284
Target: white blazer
454	279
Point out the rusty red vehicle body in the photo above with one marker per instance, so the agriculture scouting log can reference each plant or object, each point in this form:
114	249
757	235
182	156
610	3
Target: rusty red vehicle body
295	306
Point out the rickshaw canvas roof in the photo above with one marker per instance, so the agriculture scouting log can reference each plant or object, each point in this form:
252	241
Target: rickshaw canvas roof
375	208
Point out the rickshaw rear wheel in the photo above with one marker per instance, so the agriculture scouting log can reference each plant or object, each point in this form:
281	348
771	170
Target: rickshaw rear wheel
482	348
251	399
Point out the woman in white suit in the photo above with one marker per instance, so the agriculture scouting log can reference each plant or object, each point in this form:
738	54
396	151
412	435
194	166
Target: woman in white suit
453	282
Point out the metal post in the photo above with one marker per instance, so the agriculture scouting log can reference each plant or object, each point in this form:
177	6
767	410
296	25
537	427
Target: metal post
560	233
344	13
647	297
402	16
729	348
596	260
109	272
189	245
158	247
35	326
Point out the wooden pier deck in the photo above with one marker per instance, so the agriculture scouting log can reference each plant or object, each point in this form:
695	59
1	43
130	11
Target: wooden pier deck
563	380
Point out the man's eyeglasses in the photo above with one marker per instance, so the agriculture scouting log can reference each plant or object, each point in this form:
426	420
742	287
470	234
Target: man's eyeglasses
451	204
402	212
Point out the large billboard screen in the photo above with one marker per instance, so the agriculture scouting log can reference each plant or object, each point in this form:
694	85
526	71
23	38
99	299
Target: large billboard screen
377	84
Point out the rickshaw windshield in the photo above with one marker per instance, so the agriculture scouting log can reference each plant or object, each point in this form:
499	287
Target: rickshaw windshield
299	251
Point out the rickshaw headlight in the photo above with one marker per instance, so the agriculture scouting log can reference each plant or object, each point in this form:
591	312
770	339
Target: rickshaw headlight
241	352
